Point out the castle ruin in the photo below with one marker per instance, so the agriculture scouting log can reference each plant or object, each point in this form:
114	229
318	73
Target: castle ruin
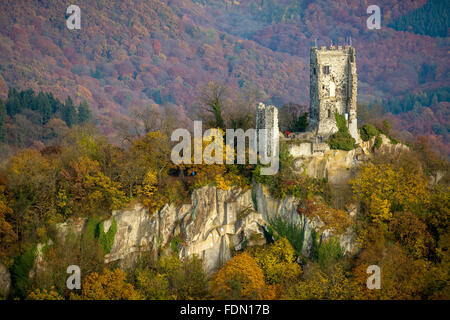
267	118
333	88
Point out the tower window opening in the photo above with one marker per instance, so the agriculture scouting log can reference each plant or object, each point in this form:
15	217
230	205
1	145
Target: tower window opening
314	71
326	69
329	113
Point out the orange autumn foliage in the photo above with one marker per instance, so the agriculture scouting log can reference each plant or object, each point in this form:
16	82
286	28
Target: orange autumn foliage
110	285
240	277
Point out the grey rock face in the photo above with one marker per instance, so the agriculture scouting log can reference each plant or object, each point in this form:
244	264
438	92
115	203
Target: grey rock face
215	223
137	230
211	226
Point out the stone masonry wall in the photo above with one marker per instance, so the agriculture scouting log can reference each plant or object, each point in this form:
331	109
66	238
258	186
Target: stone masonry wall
267	118
333	87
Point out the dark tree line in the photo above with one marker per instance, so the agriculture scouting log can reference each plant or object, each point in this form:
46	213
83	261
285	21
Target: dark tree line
409	102
42	105
432	19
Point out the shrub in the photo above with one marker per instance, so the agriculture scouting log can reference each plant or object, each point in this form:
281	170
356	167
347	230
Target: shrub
152	284
378	142
393	140
314	253
329	252
222	183
340	122
368	131
285	167
277	262
412	233
190	282
341	140
286	181
106	239
318	284
149	192
91	229
171	278
281	228
44	294
72	249
336	219
176	240
300	124
94	232
20	272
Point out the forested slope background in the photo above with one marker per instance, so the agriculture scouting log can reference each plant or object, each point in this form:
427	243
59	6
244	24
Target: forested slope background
130	55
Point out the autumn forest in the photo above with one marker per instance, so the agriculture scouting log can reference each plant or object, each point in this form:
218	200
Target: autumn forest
86	118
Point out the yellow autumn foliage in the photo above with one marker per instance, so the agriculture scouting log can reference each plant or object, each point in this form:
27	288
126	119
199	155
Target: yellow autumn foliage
240	276
277	262
148	192
222	183
110	285
385	188
316	284
44	294
336	219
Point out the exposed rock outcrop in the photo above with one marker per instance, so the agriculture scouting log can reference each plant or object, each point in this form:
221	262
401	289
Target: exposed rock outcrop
211	226
214	224
337	166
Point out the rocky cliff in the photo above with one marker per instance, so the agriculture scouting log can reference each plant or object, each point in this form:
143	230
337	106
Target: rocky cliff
338	166
215	223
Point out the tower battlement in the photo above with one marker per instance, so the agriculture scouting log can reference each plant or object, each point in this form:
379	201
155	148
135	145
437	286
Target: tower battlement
333	48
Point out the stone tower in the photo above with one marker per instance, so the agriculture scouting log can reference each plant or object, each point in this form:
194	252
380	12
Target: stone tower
333	88
267	118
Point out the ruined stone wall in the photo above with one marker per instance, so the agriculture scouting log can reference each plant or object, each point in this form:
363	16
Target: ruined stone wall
333	87
267	118
307	149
